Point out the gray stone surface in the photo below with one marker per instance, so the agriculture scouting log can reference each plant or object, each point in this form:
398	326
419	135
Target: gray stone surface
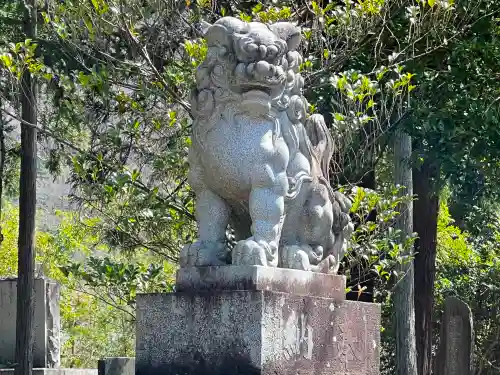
295	282
54	371
255	332
456	349
46	322
257	160
117	366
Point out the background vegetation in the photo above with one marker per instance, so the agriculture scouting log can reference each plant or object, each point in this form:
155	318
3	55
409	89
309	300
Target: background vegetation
113	118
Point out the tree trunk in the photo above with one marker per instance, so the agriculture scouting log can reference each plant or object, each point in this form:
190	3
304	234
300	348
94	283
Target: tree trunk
27	209
425	215
404	317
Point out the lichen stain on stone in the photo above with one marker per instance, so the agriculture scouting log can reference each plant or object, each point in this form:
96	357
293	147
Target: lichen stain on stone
290	334
310	343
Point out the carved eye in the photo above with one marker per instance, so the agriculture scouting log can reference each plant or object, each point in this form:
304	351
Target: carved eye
252	48
272	52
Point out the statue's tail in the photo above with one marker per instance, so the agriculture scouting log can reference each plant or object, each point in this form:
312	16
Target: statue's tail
317	146
321	145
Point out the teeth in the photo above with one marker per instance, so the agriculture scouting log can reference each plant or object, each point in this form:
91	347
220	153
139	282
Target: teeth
240	69
272	52
262	70
250	68
263	51
262	67
252	48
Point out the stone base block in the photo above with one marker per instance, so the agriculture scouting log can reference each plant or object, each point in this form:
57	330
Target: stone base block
116	366
261	278
46	322
247	332
54	371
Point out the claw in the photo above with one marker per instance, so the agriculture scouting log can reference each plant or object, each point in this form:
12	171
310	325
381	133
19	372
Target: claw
251	253
296	258
201	254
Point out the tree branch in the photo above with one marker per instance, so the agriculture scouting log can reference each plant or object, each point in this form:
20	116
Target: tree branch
138	184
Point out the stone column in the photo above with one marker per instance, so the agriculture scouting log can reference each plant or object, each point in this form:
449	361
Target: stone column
232	320
46	322
456	347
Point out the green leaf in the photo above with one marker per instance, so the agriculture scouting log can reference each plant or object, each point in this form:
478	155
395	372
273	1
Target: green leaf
6	60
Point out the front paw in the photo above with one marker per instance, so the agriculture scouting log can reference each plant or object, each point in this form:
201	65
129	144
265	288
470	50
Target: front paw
299	258
251	253
327	265
295	258
201	254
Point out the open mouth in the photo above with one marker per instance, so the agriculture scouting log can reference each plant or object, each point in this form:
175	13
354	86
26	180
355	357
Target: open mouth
260	75
256	87
257	102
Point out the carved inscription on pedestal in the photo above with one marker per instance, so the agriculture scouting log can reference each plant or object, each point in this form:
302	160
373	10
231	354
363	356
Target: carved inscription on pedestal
455	354
454	345
299	343
350	343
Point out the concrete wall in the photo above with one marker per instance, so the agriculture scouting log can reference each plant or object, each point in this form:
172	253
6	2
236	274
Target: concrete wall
46	322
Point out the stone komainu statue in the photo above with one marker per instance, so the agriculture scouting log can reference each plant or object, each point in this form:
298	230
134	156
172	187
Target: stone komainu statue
257	161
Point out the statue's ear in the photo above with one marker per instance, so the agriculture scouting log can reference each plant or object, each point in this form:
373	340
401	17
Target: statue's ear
216	35
288	32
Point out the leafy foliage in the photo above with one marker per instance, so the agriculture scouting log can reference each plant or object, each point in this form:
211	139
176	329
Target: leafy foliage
469	268
376	248
9	221
98	288
115	114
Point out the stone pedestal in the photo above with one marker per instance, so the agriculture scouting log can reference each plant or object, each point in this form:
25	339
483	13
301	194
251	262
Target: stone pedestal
116	366
456	345
46	322
241	320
